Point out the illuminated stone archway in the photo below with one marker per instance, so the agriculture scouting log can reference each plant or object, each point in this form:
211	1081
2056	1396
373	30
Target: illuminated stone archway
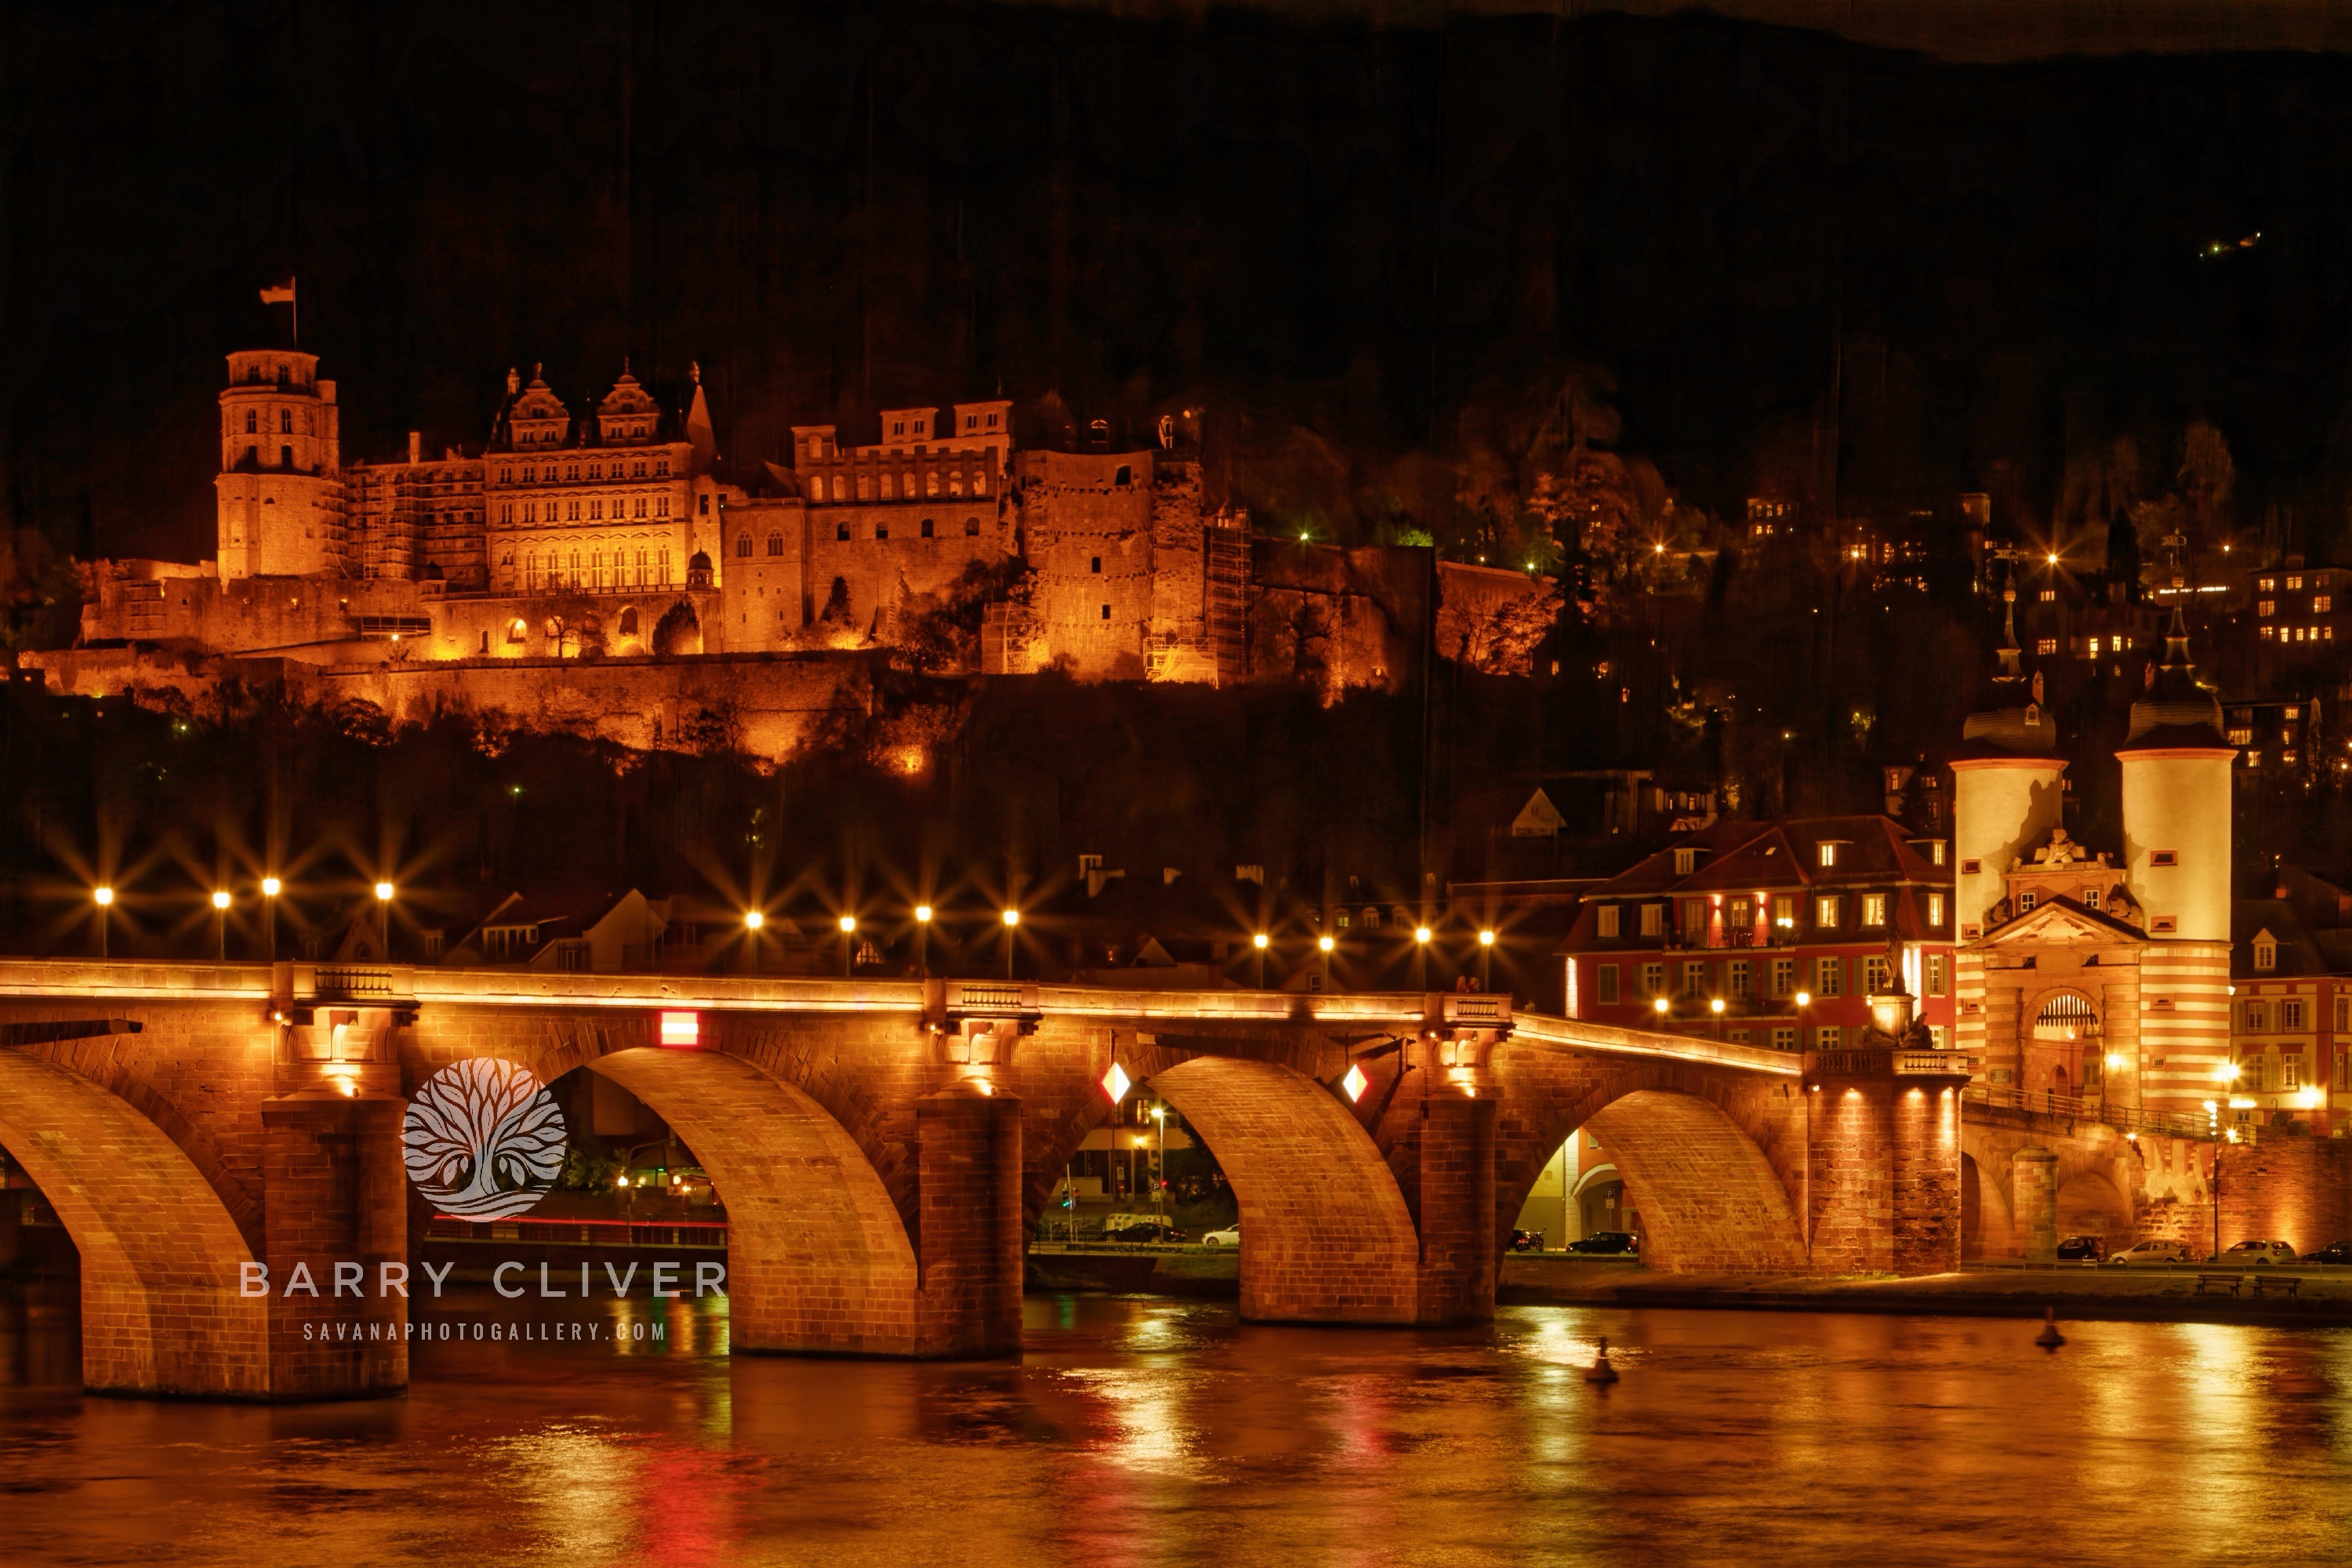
1709	1201
161	1309
818	1259
1325	1236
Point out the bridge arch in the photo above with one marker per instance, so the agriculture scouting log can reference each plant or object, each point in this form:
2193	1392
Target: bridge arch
161	1256
1686	1143
818	1259
1325	1236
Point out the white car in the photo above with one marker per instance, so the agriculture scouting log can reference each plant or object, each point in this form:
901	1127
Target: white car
2259	1252
2163	1252
1232	1237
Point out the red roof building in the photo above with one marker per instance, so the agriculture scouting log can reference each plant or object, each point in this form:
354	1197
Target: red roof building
1770	933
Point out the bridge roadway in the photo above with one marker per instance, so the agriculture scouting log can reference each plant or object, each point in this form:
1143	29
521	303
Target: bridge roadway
886	1147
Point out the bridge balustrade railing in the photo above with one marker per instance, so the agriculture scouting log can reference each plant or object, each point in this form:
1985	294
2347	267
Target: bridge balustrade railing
2076	1107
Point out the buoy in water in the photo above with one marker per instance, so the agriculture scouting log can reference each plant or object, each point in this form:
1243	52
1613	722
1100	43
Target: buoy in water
2050	1339
1600	1370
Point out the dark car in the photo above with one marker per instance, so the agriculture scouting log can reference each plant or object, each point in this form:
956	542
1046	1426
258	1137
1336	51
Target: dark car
2336	1252
1145	1231
1527	1241
2082	1249
1608	1241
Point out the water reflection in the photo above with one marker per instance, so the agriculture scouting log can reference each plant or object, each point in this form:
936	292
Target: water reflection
1154	1432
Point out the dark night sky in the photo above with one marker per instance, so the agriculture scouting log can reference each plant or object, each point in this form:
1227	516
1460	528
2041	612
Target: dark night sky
1351	243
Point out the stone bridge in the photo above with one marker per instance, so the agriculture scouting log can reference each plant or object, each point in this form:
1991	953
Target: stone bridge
885	1148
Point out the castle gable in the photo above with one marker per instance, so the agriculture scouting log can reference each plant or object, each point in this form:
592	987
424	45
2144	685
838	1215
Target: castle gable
2061	922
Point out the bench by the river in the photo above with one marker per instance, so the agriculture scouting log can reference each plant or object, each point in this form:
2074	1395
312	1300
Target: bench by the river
2211	1282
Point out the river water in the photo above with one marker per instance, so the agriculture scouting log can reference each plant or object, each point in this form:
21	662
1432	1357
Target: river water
1151	1431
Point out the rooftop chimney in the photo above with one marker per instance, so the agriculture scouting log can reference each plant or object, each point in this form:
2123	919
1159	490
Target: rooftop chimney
417	446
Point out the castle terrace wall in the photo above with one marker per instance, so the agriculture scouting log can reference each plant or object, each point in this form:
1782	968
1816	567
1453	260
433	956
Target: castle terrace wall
764	704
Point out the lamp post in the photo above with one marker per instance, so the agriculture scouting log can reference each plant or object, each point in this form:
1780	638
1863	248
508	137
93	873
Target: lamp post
1804	999
220	921
1420	935
752	920
848	944
270	886
1159	1171
1486	959
1011	928
922	942
1260	941
383	892
103	897
1714	1005
1324	944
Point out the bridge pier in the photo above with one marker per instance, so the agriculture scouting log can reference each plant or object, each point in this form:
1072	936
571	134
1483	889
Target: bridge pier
335	1197
967	1298
1883	1163
1456	1222
2034	1178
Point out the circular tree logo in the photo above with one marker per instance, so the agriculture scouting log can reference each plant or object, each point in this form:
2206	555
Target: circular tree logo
483	1139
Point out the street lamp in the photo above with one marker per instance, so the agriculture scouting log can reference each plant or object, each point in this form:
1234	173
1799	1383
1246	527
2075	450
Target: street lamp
922	941
1420	935
103	897
1325	944
1260	943
1159	1171
1011	925
220	921
383	892
752	920
269	890
849	943
1486	959
1660	1006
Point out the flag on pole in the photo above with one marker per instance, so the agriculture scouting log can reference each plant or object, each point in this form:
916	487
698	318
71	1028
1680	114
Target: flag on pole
283	294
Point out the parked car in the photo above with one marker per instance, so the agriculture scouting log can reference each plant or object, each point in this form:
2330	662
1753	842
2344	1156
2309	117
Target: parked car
2082	1249
1229	1236
2164	1252
1146	1230
1527	1241
2336	1252
2260	1252
1608	1241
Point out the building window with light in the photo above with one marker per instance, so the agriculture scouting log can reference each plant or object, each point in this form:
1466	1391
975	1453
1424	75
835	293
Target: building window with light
1826	912
1873	976
2046	646
2321	604
1874	908
1784	910
1936	975
2266	606
1935	908
2290	1017
1605	923
1653	920
1829	853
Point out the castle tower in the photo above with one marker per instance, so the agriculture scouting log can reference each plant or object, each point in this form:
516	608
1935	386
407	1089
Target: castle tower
2175	810
2008	784
278	494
